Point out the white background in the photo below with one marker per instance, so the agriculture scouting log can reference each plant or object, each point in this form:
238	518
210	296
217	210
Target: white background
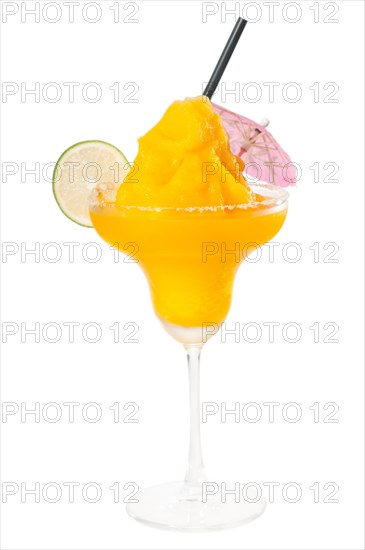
168	53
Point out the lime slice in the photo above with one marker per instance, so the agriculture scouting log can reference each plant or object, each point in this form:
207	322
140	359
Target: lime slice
82	168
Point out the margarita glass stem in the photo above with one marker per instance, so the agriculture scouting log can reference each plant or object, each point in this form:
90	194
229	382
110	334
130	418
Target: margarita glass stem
195	472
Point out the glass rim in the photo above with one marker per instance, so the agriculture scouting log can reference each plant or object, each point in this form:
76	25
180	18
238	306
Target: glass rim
277	196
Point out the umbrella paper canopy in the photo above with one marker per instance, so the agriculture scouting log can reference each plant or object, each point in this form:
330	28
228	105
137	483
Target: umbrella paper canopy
264	159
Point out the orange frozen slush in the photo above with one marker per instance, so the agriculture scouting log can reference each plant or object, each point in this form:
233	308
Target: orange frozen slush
190	214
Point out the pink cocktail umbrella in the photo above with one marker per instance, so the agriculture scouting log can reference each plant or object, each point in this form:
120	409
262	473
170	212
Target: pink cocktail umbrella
264	158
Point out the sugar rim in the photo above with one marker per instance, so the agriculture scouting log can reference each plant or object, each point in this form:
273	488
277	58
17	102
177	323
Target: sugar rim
279	197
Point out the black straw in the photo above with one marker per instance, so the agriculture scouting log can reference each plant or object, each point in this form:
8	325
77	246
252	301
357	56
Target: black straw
225	57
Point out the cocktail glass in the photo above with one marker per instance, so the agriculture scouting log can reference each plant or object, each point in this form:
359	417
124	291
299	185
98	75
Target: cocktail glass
190	257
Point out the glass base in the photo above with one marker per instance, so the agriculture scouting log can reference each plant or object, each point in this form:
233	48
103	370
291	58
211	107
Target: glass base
180	506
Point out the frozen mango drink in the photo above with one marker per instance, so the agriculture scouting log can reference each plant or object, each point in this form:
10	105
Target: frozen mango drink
189	213
186	213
